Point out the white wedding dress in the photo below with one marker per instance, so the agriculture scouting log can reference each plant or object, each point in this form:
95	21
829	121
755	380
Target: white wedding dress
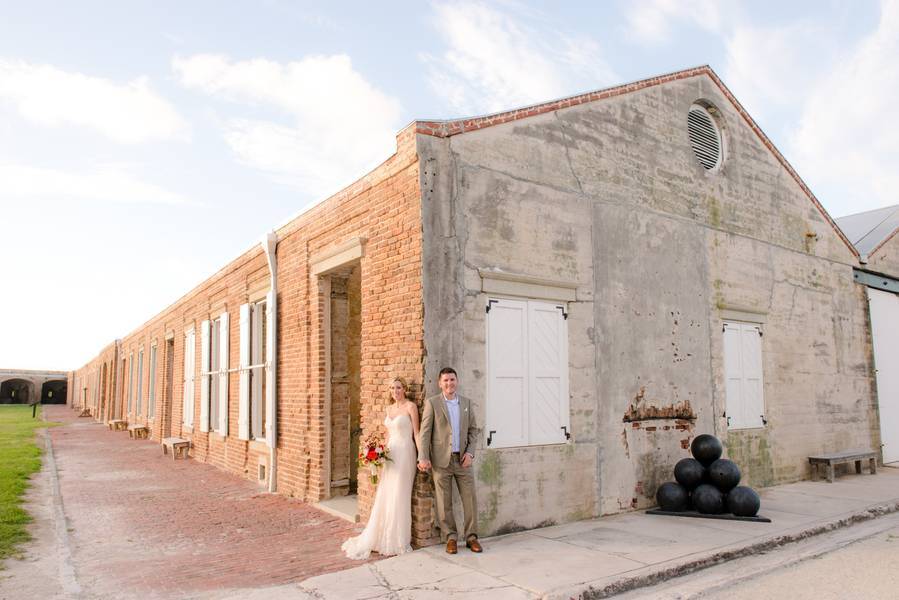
389	527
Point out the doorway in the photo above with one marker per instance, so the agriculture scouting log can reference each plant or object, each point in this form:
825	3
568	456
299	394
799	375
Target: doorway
344	331
168	388
884	308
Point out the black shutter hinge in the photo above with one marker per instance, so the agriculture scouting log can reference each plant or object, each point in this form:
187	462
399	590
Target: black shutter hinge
490	437
567	435
564	314
491	303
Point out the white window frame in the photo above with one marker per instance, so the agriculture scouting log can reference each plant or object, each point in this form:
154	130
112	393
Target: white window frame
257	370
140	382
739	378
529	435
130	382
187	394
215	371
151	401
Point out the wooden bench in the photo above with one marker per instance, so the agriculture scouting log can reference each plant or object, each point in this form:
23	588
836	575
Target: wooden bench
178	446
138	432
118	424
835	458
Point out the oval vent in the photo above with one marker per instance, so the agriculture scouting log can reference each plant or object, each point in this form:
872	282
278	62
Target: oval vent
704	136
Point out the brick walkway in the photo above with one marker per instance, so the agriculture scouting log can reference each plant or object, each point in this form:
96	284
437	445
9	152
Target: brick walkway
142	523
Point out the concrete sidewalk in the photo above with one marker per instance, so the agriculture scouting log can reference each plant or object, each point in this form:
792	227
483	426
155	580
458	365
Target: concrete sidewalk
602	557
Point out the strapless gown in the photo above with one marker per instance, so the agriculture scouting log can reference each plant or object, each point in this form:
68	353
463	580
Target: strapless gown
389	527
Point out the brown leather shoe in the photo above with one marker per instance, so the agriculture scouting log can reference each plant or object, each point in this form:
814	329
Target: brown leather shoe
451	547
474	545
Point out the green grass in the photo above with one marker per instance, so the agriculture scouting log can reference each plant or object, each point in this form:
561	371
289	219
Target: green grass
20	457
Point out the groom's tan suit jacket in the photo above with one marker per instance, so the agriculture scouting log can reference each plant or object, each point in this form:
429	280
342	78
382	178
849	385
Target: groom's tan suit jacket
437	432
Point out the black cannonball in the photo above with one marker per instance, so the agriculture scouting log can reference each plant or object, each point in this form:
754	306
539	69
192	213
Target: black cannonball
688	472
708	500
672	497
706	449
743	501
724	474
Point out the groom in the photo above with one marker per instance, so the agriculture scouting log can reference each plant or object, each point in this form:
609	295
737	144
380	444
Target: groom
449	433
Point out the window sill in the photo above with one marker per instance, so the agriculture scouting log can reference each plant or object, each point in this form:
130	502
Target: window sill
258	445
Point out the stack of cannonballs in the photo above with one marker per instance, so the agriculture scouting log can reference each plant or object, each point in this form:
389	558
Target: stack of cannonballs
708	484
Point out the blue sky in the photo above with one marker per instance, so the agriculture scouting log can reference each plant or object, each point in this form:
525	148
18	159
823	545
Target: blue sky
145	144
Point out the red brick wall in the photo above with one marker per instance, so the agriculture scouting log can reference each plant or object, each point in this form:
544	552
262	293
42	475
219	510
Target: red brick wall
384	209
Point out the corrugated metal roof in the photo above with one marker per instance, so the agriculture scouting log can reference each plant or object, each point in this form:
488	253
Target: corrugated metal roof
866	230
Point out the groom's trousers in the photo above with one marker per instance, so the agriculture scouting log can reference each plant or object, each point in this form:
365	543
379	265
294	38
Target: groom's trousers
443	490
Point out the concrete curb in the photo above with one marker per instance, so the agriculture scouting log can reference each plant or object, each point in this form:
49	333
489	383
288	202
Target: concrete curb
67	577
610	586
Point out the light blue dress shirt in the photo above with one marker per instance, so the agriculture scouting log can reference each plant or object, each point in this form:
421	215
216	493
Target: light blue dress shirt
452	407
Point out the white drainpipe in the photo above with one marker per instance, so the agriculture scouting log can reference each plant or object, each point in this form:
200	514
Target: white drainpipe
269	245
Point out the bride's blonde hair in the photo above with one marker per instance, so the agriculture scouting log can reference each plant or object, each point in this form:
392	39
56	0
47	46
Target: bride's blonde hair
403	383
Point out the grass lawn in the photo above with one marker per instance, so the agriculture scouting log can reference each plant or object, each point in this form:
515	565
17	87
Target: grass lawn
19	458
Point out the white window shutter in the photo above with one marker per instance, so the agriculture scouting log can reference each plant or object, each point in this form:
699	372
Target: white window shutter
204	375
270	332
507	382
243	401
224	354
547	374
753	402
733	373
187	398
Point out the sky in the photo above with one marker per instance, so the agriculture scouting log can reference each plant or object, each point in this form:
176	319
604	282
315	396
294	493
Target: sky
143	145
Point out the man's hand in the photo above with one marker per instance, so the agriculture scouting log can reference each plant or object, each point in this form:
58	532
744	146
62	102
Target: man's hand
466	460
424	466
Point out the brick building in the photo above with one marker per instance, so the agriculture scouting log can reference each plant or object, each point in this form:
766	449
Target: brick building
610	274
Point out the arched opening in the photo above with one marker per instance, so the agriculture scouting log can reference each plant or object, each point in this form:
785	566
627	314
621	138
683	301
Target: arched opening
16	391
54	392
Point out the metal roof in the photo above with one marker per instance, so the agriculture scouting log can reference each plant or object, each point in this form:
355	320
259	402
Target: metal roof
867	230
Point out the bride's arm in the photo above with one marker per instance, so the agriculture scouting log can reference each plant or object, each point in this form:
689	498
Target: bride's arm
413	414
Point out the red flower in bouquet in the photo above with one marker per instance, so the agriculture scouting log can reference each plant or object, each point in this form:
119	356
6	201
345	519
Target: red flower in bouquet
373	455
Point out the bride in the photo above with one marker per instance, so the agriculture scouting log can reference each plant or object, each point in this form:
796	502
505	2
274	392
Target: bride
389	527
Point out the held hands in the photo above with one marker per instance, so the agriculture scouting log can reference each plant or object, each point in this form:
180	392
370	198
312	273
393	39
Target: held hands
424	466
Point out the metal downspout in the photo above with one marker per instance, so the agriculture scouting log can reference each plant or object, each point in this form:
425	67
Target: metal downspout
269	245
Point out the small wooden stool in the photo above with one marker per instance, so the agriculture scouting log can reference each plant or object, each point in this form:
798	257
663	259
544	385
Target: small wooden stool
179	446
118	424
138	432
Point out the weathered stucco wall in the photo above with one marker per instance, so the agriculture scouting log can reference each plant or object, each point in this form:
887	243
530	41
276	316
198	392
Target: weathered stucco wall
609	196
885	259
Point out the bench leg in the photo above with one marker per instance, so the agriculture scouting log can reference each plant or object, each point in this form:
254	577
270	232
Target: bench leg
829	472
858	467
165	449
872	462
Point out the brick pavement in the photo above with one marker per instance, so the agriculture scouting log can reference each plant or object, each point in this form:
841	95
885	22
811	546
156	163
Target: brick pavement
140	522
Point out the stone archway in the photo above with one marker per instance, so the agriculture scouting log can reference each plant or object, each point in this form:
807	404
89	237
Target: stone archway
54	392
16	391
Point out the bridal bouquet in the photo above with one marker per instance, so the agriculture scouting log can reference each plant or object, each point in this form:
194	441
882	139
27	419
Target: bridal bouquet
373	455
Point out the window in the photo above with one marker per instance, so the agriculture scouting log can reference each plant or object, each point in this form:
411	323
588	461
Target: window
140	382
187	397
130	380
151	403
258	396
705	136
253	398
214	372
745	406
527	373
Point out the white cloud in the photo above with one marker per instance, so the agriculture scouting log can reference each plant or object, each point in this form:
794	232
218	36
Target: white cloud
846	138
494	61
128	113
651	21
337	124
110	183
